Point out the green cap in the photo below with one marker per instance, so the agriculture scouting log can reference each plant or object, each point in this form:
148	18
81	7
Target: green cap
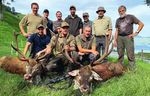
64	24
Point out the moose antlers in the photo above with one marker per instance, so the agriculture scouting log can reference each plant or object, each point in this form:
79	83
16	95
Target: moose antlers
107	51
20	52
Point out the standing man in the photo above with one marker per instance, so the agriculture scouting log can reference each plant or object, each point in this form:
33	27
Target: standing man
48	22
57	23
75	22
86	45
124	35
102	26
31	21
86	21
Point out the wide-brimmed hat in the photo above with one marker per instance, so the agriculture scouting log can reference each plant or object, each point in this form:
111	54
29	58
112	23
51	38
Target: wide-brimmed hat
101	9
40	26
72	7
85	14
64	24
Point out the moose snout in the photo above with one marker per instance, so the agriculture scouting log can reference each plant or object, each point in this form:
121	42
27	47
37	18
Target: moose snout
85	89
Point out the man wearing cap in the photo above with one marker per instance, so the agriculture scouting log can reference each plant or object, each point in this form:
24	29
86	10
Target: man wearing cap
58	43
102	26
86	45
38	40
31	21
86	21
75	22
57	23
49	22
124	36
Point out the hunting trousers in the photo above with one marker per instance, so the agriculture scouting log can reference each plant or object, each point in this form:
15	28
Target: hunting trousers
126	43
100	45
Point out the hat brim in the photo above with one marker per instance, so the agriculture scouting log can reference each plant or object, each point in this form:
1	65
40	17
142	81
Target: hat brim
100	10
64	26
41	27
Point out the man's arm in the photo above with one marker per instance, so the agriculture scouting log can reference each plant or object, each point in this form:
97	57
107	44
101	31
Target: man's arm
22	25
140	27
28	44
116	37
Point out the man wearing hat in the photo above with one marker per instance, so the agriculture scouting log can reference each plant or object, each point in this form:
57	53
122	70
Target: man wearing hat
86	21
75	22
102	26
58	43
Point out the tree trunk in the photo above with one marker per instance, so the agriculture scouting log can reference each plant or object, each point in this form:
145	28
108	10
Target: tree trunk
1	10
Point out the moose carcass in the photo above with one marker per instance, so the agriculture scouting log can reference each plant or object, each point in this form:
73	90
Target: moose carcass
98	70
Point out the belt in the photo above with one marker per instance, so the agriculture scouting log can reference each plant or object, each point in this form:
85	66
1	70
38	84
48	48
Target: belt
100	36
124	34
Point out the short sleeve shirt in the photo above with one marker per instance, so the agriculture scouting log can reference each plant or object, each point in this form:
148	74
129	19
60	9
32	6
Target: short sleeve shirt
32	21
125	25
101	26
74	24
84	42
38	42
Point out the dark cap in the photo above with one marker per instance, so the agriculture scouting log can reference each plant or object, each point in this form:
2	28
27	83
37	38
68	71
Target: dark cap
101	9
46	11
72	7
40	26
85	14
64	24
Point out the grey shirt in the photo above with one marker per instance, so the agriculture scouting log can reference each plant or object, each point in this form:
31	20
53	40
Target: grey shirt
125	24
74	24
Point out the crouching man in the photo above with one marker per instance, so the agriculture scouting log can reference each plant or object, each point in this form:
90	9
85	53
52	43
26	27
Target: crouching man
59	43
86	45
37	41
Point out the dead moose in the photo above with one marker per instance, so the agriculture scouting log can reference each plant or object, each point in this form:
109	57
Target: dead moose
17	65
97	70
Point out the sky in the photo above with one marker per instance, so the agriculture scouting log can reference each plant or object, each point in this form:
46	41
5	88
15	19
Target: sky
137	8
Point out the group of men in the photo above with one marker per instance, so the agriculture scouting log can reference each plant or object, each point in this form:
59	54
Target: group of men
84	41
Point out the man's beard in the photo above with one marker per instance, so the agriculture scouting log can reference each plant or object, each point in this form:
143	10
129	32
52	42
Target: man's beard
122	16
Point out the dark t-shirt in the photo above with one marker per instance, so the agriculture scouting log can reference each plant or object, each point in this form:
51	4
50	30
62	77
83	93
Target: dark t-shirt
125	24
38	43
74	24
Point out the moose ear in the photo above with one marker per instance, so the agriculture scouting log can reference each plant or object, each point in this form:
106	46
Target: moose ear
96	76
73	73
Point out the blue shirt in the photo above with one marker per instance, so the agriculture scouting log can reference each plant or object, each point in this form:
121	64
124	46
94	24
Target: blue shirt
38	43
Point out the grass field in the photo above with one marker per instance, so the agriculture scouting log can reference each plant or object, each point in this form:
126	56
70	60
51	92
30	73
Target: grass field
130	84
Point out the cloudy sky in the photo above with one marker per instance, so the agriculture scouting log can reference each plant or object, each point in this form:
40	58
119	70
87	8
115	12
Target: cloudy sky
135	7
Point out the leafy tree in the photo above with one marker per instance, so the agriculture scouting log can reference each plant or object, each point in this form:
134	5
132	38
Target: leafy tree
148	2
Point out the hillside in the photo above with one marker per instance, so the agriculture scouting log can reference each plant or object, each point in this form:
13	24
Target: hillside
130	84
9	25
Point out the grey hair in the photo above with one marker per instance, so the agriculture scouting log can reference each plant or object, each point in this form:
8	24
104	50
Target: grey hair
122	6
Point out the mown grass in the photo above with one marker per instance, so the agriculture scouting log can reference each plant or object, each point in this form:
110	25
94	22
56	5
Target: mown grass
130	84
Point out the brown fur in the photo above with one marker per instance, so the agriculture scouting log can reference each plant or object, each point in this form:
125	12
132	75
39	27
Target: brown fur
14	65
108	70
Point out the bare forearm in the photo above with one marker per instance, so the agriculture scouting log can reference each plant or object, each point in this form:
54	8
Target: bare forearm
22	29
140	27
26	49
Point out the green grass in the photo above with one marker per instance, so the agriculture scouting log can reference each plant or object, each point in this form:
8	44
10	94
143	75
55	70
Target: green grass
130	84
